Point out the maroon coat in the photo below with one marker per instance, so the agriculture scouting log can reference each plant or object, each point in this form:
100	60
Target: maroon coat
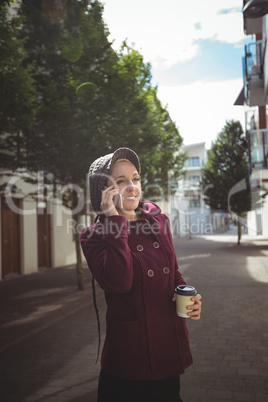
135	264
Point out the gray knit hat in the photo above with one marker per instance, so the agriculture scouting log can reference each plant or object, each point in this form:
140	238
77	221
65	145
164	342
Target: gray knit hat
99	172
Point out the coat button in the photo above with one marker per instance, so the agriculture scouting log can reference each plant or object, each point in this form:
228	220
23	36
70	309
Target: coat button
166	270
150	273
156	244
139	247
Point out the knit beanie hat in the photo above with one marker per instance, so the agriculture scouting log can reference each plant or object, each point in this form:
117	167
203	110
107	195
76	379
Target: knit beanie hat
99	173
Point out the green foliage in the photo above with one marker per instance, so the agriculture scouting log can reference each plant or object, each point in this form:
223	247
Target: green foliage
225	175
5	3
164	163
17	96
89	99
66	55
92	100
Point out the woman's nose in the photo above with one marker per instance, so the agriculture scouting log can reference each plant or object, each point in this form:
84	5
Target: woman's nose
130	185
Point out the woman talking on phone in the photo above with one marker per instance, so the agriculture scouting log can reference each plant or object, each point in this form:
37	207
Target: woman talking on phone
130	253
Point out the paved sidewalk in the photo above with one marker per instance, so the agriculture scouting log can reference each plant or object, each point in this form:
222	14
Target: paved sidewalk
230	342
48	331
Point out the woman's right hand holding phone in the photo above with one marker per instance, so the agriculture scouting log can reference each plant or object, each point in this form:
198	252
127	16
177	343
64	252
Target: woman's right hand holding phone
107	206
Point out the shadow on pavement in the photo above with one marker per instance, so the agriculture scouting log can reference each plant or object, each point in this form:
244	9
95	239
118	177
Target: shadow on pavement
48	338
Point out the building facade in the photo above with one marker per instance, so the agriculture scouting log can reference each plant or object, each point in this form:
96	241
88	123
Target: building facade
189	213
36	231
254	98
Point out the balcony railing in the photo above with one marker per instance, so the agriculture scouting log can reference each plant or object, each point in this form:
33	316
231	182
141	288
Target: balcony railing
253	68
254	59
193	162
258	148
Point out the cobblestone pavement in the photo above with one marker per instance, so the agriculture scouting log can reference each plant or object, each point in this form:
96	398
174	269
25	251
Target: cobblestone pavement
230	342
48	330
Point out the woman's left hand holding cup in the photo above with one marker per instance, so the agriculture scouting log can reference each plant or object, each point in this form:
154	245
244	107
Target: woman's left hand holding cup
196	308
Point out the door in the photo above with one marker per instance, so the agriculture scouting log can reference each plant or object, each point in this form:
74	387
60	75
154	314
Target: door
44	237
10	239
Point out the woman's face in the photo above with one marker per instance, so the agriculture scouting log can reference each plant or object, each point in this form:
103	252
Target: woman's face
127	179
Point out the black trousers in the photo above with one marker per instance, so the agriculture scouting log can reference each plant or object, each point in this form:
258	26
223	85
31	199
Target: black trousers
120	390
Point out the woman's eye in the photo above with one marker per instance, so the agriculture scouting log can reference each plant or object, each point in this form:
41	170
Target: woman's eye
136	179
119	182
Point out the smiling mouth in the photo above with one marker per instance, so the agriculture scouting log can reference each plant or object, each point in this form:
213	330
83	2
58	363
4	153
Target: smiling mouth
130	198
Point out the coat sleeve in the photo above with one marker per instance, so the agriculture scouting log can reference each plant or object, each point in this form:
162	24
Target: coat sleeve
106	249
178	276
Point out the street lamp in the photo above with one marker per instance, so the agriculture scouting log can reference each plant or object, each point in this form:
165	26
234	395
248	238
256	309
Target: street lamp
255	8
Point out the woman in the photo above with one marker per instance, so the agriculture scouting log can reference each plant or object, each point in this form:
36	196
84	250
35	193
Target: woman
130	254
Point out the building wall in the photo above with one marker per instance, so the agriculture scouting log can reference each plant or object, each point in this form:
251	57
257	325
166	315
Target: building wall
189	214
196	150
63	250
265	219
264	208
265	30
29	257
63	244
256	118
165	207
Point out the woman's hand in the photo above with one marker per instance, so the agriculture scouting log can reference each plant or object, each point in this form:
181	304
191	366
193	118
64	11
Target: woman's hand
107	206
196	307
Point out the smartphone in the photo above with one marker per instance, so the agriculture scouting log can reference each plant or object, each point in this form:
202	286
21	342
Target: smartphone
117	200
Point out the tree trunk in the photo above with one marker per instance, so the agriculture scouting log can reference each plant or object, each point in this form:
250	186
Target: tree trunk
79	268
239	230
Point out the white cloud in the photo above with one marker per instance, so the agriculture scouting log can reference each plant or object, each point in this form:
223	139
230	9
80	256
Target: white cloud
164	32
200	110
218	27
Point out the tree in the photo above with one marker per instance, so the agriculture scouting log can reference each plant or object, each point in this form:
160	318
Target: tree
164	163
90	100
67	43
138	120
17	96
225	174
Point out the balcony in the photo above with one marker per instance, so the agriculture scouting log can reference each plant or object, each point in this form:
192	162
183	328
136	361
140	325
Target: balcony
252	25
253	13
253	73
258	148
191	184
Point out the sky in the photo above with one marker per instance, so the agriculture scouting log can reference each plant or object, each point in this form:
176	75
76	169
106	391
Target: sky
195	49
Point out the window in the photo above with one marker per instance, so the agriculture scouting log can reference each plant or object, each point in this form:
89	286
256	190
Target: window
194	180
192	161
195	202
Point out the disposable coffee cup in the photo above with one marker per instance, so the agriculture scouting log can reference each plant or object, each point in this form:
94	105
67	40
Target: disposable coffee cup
184	294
